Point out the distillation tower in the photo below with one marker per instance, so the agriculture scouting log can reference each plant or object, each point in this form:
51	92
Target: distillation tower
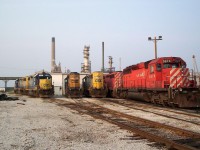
86	66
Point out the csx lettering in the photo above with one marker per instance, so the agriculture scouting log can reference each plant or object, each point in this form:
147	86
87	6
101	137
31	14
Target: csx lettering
97	80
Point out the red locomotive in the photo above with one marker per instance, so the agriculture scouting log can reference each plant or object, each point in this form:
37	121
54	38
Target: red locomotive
163	80
114	84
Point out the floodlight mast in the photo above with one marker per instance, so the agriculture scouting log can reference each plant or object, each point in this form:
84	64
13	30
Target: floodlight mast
155	43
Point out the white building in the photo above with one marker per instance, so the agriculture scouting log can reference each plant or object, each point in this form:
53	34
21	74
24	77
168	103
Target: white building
59	84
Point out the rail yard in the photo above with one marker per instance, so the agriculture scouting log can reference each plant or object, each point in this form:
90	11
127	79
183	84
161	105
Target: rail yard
153	104
99	75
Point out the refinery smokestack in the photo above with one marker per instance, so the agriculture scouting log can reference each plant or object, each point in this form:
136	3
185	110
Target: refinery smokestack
102	56
53	54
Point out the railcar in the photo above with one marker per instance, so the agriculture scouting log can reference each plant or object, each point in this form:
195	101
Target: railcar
165	81
93	85
39	85
114	84
72	85
19	87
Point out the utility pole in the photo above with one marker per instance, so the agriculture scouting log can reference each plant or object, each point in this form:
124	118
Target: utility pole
155	43
196	71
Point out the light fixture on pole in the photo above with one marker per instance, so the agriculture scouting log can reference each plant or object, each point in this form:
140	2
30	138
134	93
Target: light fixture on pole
155	42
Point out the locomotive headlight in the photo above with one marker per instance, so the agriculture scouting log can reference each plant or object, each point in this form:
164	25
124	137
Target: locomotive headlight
181	89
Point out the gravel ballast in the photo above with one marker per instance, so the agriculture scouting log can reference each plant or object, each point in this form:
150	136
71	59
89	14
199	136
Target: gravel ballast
34	123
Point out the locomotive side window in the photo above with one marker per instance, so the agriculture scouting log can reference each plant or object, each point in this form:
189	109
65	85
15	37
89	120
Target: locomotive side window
151	69
158	67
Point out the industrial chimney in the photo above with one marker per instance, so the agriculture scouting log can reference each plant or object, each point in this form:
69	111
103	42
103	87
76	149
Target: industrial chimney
54	67
53	54
102	57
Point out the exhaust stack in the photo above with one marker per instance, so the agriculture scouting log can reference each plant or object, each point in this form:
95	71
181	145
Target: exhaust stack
53	54
102	57
54	67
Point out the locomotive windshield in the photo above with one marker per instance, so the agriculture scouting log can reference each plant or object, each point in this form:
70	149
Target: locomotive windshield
173	65
44	76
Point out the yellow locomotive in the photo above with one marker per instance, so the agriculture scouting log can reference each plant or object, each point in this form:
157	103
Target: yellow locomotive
93	85
39	85
72	85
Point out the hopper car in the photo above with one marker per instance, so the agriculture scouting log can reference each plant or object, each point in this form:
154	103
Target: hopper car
164	81
38	85
72	85
93	85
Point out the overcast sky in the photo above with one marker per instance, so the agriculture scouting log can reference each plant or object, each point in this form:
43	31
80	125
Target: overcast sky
27	26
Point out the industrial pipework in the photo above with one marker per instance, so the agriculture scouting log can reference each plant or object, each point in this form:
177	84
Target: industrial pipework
86	66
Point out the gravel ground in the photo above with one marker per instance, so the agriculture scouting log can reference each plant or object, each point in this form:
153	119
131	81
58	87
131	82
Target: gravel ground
33	123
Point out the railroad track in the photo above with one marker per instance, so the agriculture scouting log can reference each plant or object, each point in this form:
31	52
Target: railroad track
172	137
132	106
192	113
